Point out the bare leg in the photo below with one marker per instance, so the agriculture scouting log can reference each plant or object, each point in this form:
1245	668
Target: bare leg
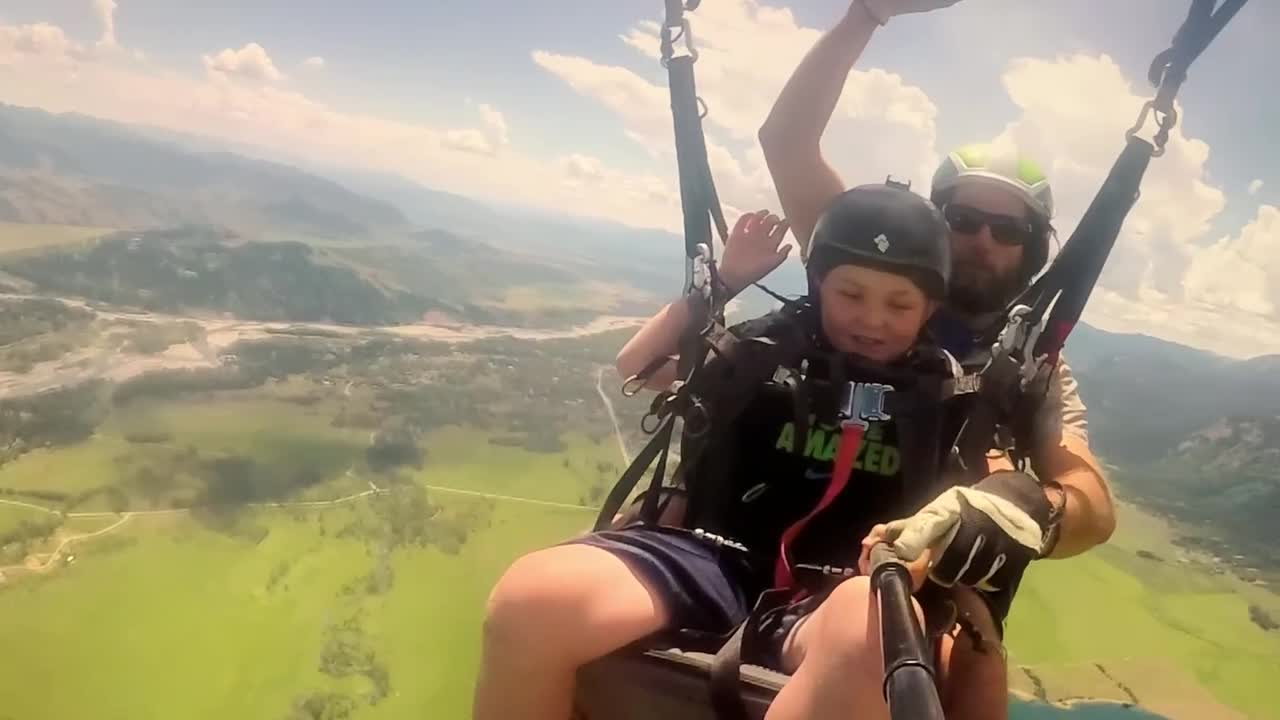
552	612
975	681
835	654
838	667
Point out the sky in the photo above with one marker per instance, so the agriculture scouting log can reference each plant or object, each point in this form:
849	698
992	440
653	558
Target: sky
562	105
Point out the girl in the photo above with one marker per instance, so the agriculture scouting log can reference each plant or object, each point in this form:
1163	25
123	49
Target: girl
878	267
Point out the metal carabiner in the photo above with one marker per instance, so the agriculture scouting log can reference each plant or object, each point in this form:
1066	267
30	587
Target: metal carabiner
633	385
650	428
667	44
1168	117
700	271
1014	330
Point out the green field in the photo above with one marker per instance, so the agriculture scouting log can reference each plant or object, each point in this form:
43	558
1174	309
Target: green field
293	612
171	619
176	616
1153	623
278	436
603	298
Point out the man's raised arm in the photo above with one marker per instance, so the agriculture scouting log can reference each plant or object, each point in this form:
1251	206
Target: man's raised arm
791	135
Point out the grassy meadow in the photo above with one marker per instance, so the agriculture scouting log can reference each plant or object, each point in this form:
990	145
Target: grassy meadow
371	608
213	617
1172	633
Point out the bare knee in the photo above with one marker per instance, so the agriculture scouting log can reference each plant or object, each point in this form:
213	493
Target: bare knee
525	599
569	602
845	628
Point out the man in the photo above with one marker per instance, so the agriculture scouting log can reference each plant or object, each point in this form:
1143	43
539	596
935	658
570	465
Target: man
999	210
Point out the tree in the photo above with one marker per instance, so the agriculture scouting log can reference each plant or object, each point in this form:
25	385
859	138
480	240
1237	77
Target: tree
1262	618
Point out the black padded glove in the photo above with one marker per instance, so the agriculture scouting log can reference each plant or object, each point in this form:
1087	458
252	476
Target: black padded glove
982	536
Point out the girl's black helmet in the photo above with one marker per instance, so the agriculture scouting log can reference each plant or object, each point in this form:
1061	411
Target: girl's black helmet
886	227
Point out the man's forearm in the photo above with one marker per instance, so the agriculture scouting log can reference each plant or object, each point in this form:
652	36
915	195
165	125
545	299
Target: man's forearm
807	101
1089	515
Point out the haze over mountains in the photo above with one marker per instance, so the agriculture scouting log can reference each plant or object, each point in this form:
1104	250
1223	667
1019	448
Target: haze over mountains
189	231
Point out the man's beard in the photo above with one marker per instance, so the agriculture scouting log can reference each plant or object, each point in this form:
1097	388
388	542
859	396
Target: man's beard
976	288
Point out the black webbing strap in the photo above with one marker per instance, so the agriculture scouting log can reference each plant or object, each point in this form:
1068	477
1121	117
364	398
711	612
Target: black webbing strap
1076	270
698	199
700	206
1064	289
1204	22
657	445
1078	267
724	685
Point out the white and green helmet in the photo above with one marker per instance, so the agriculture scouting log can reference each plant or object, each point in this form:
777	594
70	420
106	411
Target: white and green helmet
983	163
1014	171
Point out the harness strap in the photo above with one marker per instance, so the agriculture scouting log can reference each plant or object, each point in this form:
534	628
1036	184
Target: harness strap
851	434
726	696
659	443
1064	289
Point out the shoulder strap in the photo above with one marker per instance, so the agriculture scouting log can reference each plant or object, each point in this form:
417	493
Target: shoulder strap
708	403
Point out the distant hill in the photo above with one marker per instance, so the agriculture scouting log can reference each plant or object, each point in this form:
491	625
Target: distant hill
196	269
75	170
1145	395
1192	434
650	260
447	253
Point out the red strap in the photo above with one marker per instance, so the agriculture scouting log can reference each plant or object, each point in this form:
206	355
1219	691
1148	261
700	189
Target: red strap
851	434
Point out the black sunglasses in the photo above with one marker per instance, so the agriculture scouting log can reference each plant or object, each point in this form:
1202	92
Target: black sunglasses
1005	229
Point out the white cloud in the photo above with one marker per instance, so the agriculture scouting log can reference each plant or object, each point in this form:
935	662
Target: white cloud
1162	278
747	51
1074	111
1071	112
1255	186
488	139
590	180
1242	273
106	11
494	122
468	140
315	62
1234	334
40	43
642	106
475	160
250	62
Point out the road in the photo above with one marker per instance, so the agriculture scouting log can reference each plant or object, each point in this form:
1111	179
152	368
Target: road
128	514
57	552
19	503
613	416
104	361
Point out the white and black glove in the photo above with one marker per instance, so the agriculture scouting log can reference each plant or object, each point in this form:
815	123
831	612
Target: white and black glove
982	536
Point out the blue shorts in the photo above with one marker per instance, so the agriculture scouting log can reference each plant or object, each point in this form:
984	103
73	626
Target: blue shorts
707	590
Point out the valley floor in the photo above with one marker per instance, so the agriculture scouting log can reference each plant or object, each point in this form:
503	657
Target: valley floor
357	592
103	357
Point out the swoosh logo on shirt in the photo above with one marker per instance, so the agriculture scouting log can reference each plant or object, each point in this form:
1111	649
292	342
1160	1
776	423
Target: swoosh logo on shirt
754	493
811	474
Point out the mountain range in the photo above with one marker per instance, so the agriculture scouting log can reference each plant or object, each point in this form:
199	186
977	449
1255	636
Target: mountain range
1192	433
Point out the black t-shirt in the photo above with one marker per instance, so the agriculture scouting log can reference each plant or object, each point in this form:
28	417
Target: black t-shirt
773	487
770	486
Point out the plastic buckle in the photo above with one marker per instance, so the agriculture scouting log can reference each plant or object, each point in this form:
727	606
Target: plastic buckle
861	402
701	271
